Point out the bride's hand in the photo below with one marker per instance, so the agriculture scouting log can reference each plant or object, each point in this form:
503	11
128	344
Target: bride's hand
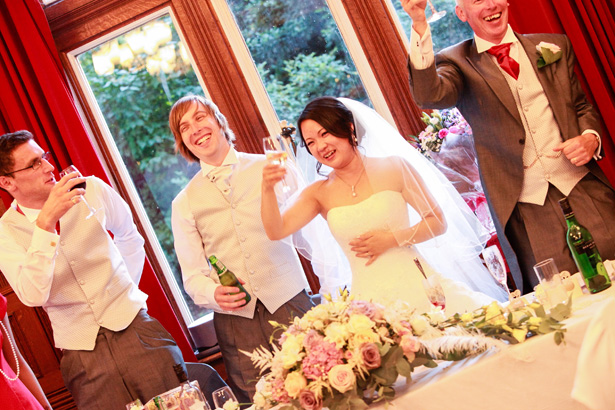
272	174
372	244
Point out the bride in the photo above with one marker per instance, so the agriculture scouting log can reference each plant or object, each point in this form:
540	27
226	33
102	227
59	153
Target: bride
380	209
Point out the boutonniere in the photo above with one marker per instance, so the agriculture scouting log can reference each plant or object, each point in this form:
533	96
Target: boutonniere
549	53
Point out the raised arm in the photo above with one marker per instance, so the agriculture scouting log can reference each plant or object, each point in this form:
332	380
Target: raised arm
303	210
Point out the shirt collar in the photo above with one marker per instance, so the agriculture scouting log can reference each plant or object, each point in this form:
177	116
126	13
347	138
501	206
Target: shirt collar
484	45
30	213
230	159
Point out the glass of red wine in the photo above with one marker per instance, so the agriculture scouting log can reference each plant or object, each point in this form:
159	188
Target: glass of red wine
69	169
434	291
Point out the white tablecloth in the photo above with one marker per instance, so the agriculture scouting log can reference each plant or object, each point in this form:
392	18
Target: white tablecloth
534	375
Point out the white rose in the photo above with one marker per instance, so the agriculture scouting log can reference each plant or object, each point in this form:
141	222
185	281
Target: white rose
554	48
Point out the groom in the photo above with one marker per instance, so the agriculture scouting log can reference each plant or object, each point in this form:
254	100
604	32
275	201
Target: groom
536	135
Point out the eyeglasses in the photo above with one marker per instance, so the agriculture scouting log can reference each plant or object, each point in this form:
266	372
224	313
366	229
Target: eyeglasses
35	165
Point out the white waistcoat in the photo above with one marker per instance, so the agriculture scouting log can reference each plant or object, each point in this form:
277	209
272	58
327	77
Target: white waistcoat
231	229
541	165
91	285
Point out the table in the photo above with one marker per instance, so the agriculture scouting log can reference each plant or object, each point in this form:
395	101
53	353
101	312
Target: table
534	375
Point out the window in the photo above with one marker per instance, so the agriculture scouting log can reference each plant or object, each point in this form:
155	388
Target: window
135	76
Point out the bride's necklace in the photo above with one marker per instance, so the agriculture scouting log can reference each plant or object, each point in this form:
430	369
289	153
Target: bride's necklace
14	355
352	187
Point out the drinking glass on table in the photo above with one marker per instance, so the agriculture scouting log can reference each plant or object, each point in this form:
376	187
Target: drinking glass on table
434	291
549	278
275	153
223	395
495	265
70	169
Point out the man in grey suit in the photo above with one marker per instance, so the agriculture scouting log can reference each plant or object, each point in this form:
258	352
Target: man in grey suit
536	136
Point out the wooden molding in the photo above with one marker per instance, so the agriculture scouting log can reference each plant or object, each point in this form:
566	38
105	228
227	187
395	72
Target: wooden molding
387	57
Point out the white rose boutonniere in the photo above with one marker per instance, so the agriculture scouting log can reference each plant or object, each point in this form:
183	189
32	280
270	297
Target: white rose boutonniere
549	53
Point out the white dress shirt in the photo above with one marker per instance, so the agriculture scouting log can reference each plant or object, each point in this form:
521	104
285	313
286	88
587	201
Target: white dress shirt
30	256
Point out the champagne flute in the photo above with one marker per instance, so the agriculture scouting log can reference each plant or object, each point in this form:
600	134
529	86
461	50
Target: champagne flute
435	15
432	287
495	264
276	154
69	169
223	395
434	291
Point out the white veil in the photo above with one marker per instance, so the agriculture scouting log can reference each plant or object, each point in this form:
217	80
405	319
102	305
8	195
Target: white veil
453	254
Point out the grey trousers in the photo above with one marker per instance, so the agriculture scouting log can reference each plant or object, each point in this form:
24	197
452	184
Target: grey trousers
136	362
239	333
538	232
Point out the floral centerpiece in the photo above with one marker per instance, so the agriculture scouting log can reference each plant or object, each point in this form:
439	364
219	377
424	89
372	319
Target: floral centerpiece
439	125
347	353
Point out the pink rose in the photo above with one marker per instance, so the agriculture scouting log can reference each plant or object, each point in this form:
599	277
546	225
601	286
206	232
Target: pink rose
443	133
342	378
309	401
370	355
410	345
455	130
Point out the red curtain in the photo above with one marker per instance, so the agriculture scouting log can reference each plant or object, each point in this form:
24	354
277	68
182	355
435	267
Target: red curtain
590	25
34	95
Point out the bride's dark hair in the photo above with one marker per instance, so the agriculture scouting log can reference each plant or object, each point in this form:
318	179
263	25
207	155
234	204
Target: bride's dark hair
332	115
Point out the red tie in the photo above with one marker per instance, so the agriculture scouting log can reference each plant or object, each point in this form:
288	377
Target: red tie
505	61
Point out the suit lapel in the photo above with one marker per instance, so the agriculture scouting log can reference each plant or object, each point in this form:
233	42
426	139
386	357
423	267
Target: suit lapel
490	72
549	81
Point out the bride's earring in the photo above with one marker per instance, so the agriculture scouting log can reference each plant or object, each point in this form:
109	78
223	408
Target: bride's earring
354	138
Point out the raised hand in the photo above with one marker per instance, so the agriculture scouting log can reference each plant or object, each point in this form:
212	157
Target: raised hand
416	11
272	174
60	200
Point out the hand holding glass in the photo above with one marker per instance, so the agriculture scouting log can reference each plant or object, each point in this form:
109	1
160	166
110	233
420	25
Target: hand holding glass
70	169
223	395
276	154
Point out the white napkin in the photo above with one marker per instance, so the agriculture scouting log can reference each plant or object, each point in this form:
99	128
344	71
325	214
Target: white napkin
594	381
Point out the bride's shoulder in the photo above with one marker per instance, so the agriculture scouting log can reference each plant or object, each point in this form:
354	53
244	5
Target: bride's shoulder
390	163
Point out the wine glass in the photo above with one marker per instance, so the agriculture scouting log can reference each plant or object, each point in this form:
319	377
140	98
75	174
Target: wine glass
434	291
435	15
69	169
276	154
495	264
223	395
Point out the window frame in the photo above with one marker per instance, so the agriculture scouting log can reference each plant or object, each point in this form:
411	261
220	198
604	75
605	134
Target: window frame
220	59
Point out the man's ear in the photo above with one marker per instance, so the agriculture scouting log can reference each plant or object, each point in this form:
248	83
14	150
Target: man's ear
7	183
460	14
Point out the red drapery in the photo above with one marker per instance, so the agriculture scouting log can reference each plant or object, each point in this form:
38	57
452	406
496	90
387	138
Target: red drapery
590	25
34	95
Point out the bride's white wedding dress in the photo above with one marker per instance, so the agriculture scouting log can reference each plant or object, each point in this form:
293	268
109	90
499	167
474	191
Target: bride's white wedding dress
393	275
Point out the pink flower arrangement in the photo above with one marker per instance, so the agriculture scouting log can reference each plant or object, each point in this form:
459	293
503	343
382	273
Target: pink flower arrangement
340	355
438	125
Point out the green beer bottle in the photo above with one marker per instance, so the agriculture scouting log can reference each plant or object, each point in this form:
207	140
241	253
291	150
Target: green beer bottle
584	251
228	278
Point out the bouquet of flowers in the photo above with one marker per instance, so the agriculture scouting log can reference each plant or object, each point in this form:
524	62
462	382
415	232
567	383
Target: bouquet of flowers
347	353
439	125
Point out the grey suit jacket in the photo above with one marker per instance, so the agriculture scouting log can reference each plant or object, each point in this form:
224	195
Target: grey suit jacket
473	82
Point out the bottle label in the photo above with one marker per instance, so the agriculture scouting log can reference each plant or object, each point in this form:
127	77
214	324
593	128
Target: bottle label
587	247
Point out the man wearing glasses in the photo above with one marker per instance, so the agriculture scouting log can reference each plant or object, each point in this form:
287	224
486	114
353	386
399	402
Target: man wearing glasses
55	256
